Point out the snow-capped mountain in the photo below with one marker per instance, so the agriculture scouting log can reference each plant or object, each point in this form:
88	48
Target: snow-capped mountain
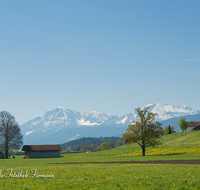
165	111
60	125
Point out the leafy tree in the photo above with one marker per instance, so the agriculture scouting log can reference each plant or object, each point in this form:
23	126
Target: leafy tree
92	146
183	123
168	130
104	145
110	145
10	133
145	132
119	142
99	147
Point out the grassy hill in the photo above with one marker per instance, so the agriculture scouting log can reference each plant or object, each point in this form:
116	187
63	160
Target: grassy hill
177	146
190	138
184	139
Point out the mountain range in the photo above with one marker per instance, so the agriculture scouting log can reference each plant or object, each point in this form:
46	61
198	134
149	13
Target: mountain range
61	125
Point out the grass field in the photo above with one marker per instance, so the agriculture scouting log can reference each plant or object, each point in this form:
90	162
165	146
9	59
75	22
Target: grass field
111	176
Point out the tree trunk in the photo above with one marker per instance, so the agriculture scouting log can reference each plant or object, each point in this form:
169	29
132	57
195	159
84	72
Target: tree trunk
6	147
6	153
143	150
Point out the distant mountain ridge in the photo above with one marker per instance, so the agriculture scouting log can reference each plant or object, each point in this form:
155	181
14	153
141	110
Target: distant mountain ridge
61	125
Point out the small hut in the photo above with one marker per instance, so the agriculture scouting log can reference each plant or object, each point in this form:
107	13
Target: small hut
41	151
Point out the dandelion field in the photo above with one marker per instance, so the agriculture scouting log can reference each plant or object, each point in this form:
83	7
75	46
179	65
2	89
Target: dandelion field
107	176
110	176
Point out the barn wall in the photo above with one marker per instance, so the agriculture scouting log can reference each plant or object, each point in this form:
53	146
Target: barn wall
44	154
26	154
189	129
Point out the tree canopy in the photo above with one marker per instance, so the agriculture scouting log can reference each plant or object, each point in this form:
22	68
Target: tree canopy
119	142
183	123
10	133
145	132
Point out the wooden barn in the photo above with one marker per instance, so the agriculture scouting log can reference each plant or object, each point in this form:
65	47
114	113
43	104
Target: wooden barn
41	151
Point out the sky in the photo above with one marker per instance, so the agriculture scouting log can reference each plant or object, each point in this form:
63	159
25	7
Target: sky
112	56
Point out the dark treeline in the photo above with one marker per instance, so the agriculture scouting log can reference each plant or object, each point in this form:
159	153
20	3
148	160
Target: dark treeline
87	142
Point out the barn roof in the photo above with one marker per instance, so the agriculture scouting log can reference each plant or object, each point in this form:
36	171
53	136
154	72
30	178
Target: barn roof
193	124
41	147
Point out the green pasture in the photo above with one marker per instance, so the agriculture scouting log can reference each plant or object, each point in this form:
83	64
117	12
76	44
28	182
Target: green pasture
106	176
109	176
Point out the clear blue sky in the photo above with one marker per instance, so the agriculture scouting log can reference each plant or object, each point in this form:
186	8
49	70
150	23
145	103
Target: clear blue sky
106	55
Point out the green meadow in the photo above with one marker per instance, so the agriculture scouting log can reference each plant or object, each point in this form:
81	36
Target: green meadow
33	173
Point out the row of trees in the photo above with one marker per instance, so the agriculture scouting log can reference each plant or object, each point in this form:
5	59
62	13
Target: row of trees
103	146
147	131
170	129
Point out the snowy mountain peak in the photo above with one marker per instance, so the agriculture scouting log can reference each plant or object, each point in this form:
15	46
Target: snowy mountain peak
60	107
165	111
